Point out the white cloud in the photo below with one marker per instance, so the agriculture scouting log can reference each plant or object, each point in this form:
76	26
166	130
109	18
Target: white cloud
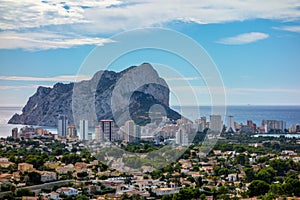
263	90
244	38
11	87
114	15
182	79
83	18
155	13
295	29
35	14
42	41
204	90
50	79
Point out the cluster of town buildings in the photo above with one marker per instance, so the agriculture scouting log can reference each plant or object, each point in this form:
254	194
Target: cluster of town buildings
178	132
45	176
139	183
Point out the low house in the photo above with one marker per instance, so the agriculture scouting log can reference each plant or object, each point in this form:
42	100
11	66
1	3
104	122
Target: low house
51	164
232	177
81	166
143	184
29	198
69	191
289	152
65	169
112	196
54	196
47	176
217	152
94	162
6	164
25	167
113	183
91	189
165	191
194	174
207	169
5	178
4	159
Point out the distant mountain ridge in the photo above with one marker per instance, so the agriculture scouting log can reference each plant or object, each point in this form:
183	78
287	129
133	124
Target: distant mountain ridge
92	99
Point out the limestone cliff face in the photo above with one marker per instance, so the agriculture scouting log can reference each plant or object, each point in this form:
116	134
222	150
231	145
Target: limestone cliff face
45	105
108	95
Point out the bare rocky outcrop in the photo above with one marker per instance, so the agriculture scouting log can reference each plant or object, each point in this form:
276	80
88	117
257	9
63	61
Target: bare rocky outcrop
92	99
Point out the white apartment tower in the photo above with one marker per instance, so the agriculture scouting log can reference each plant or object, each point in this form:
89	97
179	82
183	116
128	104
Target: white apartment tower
201	124
129	130
132	131
216	123
182	137
84	128
62	125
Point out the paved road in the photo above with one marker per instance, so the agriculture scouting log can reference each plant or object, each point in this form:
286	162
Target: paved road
47	185
41	186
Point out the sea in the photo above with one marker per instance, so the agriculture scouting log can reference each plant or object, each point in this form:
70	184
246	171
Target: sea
290	114
6	113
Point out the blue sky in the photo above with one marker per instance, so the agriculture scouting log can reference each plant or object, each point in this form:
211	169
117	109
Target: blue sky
254	44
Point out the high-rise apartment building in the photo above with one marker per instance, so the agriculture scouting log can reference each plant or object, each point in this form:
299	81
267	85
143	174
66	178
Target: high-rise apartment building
98	134
249	123
71	131
216	123
62	125
90	136
84	128
137	133
182	137
273	125
132	131
14	133
129	130
106	130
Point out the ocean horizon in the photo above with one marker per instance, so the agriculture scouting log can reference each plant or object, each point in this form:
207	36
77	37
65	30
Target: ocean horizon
241	113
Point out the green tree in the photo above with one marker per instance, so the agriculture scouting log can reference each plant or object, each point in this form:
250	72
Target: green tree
216	170
202	196
276	189
188	193
36	160
82	197
258	187
82	175
250	175
167	197
5	187
281	166
292	186
199	182
9	196
70	158
223	171
266	174
269	196
24	192
34	178
155	174
222	190
242	159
